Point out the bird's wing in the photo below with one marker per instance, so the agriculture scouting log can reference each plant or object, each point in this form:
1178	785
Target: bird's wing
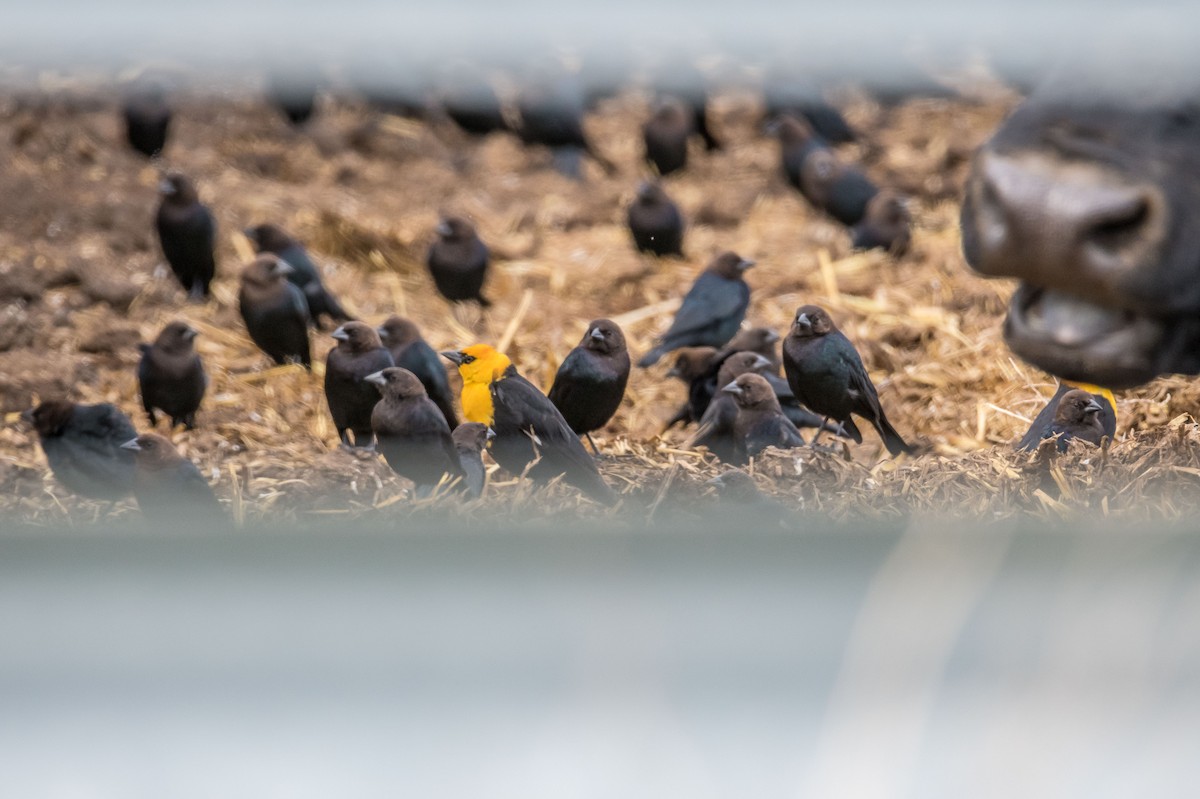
711	298
533	413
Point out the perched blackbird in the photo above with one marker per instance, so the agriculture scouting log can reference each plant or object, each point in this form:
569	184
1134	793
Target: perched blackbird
358	353
1077	417
711	312
1042	423
697	367
458	261
147	119
274	239
717	422
835	188
590	383
83	446
411	352
655	222
470	440
827	376
274	310
413	435
187	233
551	114
797	142
665	136
760	422
762	340
171	377
825	120
528	427
887	224
169	488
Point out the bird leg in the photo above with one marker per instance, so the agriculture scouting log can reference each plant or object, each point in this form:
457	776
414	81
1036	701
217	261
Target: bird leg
595	449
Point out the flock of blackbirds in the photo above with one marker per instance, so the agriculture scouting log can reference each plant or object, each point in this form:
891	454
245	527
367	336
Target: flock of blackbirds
388	390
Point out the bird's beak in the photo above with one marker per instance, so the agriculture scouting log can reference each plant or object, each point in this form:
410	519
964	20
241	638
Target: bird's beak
377	378
772	337
597	334
733	388
771	126
491	434
382	331
132	445
27	415
340	334
674	372
190	333
745	264
166	187
443	229
716	481
282	267
760	363
644	188
453	356
804	321
250	233
1093	407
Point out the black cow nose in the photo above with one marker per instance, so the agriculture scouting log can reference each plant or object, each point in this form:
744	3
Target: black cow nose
1059	224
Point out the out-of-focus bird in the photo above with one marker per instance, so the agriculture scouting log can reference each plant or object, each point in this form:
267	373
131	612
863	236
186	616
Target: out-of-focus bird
760	422
294	95
275	311
655	222
836	188
665	135
470	100
887	224
827	375
410	351
797	142
82	444
358	353
528	427
458	261
187	234
712	311
274	239
169	488
147	118
1040	427
551	114
762	340
171	376
1077	416
470	440
591	380
694	366
413	435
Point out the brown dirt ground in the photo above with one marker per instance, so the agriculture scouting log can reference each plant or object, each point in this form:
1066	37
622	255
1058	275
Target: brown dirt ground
82	281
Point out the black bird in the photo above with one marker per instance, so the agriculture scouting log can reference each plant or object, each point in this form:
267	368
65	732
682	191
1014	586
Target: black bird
169	488
470	440
836	188
275	311
551	114
470	100
760	422
655	222
785	96
797	142
458	261
697	368
358	353
83	446
1077	416
1041	424
827	375
887	224
187	233
410	351
274	239
147	119
665	136
171	377
413	435
711	312
590	382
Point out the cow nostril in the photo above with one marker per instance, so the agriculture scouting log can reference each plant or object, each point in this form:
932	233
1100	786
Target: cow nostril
1121	227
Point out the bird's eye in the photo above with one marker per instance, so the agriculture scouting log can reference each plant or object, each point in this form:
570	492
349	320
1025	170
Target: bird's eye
468	359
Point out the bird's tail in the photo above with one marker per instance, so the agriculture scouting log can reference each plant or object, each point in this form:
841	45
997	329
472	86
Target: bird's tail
891	439
652	357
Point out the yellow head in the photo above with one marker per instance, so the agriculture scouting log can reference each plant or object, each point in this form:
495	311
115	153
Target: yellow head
1098	391
479	365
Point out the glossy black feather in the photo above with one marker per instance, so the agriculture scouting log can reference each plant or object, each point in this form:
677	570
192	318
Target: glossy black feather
187	235
82	444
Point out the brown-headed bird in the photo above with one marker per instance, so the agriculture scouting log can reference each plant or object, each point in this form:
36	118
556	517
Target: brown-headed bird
169	488
827	375
358	353
717	422
470	440
762	340
83	446
413	435
1077	417
275	311
693	366
712	311
171	376
528	427
655	222
797	142
187	234
1039	428
887	224
665	135
760	422
591	380
458	261
147	118
836	188
410	351
274	239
